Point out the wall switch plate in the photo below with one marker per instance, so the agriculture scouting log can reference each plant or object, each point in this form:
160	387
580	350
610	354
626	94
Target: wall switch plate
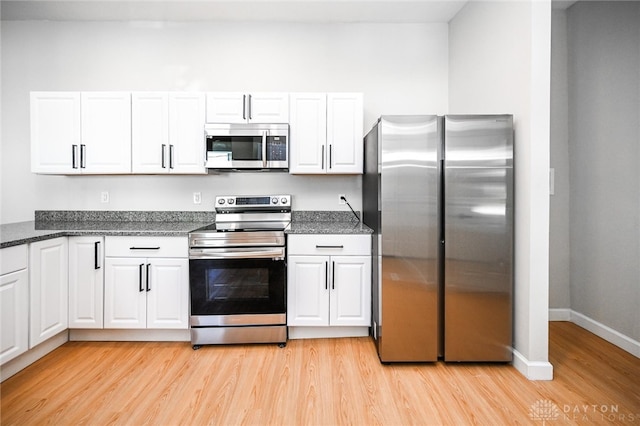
197	197
104	197
340	200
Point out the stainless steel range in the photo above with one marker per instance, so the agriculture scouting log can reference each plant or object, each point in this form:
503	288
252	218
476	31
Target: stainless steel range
237	272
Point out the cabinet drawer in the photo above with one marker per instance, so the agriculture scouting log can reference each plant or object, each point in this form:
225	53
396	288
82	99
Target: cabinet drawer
13	259
146	246
333	244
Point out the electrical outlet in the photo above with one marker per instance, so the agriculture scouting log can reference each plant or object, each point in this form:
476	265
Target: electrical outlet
197	197
104	197
340	200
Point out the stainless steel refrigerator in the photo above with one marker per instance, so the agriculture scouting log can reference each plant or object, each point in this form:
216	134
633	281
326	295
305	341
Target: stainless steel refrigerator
438	193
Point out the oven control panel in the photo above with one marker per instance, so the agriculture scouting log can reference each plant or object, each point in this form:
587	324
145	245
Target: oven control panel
238	202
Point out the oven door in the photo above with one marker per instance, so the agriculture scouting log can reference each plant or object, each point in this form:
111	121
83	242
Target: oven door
224	288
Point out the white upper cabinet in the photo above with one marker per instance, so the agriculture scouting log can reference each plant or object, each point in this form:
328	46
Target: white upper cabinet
308	132
168	132
240	107
326	133
80	133
55	132
106	132
186	133
345	132
149	132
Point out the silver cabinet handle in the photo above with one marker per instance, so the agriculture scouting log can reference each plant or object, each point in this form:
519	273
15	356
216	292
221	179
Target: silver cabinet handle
322	157
171	156
144	248
164	160
249	107
329	247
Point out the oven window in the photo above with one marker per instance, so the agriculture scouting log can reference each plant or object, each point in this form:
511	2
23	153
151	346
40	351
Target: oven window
238	286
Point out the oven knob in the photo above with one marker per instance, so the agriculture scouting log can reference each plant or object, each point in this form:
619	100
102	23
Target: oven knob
231	200
221	201
283	200
274	200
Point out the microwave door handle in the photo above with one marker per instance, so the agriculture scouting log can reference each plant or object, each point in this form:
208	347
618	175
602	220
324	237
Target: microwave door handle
264	149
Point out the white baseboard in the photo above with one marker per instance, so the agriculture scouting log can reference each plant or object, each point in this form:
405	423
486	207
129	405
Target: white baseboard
559	314
607	333
298	332
129	335
532	370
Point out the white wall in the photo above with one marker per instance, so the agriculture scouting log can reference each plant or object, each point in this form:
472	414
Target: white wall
559	215
400	68
604	147
500	63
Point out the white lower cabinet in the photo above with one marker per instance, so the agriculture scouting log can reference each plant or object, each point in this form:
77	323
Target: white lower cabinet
329	285
14	302
146	282
48	284
86	282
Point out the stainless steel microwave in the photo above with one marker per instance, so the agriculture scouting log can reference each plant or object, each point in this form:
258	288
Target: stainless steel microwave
247	146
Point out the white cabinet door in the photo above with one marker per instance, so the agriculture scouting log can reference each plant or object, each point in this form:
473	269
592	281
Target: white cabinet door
55	132
240	107
350	290
226	107
125	293
150	132
345	133
168	295
106	132
186	133
48	282
268	107
86	282
308	291
14	314
308	133
168	132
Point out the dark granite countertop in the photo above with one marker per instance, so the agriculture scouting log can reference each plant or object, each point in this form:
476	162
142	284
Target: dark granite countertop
53	224
326	222
328	228
14	234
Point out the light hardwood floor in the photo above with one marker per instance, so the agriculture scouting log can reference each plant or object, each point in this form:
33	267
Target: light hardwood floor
317	382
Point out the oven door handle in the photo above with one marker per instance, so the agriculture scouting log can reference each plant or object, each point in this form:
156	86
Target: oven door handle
237	253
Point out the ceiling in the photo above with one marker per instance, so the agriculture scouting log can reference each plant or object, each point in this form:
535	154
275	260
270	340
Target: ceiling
394	11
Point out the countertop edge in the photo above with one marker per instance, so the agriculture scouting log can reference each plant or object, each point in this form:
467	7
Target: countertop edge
35	235
30	234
